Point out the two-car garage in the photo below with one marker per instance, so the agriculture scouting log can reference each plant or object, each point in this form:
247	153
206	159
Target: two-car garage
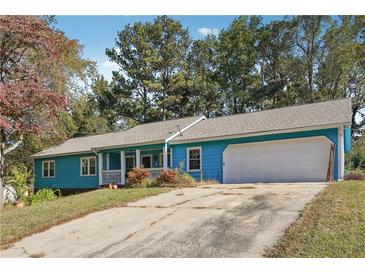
290	160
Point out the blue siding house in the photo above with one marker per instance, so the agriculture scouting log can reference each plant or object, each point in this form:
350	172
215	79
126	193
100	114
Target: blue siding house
291	144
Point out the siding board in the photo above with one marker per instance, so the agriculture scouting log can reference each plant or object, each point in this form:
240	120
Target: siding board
68	167
212	151
67	174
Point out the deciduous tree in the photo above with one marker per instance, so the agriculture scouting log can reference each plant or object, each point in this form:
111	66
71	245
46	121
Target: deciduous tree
28	48
341	71
38	65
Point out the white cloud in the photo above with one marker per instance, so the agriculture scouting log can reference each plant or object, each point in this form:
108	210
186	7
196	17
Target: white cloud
207	31
110	64
106	67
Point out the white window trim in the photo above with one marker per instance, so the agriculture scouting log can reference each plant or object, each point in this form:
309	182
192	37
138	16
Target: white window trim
49	161
88	166
160	158
151	159
187	159
134	160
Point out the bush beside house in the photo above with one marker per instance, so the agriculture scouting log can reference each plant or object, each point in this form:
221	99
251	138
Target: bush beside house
44	194
356	174
168	177
136	177
355	161
139	177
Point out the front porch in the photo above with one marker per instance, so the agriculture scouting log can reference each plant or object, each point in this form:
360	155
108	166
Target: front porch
114	165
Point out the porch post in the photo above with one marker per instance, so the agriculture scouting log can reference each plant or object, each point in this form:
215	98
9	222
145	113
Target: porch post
165	165
122	167
138	158
100	164
108	161
170	157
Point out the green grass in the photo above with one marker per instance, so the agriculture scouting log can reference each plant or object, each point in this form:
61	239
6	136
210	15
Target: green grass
333	225
18	223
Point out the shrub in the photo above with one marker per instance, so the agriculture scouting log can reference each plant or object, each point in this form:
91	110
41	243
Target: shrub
184	179
44	194
136	177
150	182
27	200
18	178
354	175
167	177
356	159
175	178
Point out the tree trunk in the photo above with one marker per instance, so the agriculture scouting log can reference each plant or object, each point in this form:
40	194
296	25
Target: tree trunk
2	166
354	127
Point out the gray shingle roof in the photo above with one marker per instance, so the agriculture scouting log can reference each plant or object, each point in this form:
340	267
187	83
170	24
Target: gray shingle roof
302	116
141	134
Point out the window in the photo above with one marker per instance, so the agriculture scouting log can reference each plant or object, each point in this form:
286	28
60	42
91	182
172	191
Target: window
129	162
194	158
88	166
168	159
49	169
146	161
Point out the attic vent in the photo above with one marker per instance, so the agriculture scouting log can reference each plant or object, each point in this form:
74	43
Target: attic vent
179	129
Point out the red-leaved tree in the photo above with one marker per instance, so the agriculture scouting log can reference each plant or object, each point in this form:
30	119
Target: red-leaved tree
30	53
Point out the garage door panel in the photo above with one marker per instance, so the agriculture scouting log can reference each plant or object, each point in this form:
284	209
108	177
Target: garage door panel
304	159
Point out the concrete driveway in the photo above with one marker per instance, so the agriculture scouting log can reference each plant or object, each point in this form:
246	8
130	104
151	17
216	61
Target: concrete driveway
207	221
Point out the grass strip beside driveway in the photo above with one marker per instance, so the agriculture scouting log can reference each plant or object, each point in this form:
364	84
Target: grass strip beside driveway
333	225
18	223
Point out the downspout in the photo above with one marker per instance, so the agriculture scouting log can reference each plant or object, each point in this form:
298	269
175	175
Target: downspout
167	140
341	153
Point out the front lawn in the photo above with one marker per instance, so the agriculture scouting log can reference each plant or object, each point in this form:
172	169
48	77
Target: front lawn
333	225
18	223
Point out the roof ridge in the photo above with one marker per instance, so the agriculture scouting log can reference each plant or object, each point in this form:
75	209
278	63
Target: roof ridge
156	122
97	134
279	108
118	131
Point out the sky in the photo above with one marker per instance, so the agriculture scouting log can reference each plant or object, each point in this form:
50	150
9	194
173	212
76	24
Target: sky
97	33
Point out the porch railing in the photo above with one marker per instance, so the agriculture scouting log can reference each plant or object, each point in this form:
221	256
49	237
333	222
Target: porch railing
155	171
114	176
111	176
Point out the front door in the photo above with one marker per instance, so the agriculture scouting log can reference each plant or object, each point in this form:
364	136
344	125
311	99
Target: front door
129	163
147	161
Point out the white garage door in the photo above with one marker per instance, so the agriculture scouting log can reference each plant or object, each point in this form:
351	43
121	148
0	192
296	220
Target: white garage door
294	160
